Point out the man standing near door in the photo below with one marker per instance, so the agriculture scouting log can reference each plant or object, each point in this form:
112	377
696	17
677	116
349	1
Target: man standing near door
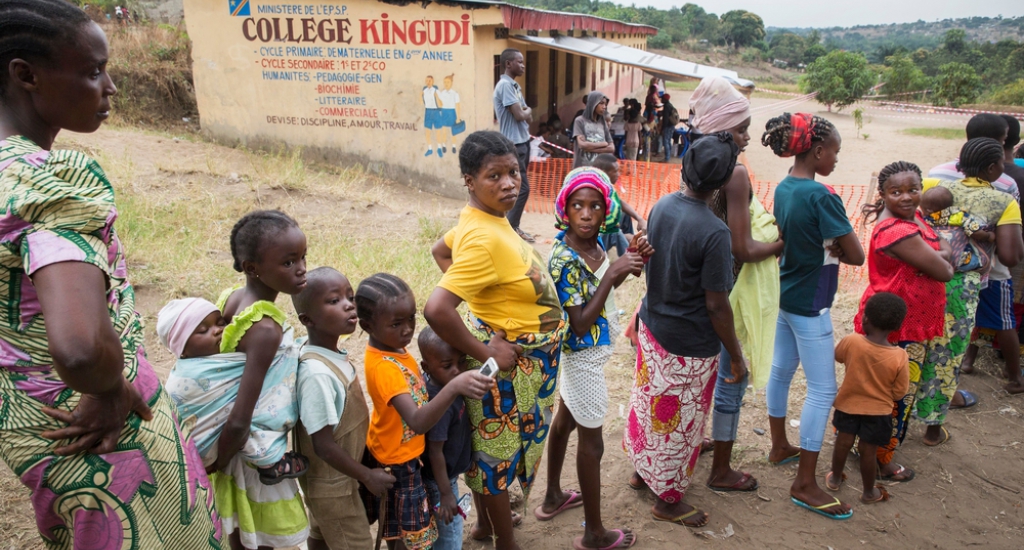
514	118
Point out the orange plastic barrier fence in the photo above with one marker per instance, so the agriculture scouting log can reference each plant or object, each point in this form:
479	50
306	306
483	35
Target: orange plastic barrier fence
641	184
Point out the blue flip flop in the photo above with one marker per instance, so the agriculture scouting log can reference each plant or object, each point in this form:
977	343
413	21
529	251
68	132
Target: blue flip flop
787	460
970	400
820	510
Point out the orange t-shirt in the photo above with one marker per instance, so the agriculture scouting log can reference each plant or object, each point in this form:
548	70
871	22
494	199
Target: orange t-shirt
876	376
389	438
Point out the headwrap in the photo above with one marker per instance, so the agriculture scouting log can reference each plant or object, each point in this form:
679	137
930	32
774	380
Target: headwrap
595	179
802	131
717	106
709	162
179	319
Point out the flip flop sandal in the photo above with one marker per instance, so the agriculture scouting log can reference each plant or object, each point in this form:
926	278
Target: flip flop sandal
707	445
883	496
577	543
820	510
273	475
970	400
738	486
828	482
945	438
901	470
575	500
787	460
640	487
681	520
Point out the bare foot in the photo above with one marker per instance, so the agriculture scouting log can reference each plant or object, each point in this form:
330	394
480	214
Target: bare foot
1014	387
731	480
966	369
637	482
484	532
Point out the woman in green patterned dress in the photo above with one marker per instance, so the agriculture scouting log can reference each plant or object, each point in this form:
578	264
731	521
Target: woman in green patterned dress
84	421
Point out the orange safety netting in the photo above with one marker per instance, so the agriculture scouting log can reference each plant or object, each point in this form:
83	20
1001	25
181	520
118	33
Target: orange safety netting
641	184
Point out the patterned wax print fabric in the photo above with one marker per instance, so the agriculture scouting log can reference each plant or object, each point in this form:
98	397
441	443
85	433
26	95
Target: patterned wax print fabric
150	493
576	285
510	424
668	408
918	353
940	373
264	515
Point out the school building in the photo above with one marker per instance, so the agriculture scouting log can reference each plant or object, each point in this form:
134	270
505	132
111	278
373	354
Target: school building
396	85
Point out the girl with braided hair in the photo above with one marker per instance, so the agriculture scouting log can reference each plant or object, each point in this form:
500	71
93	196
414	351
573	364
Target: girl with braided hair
818	237
967	305
906	258
84	421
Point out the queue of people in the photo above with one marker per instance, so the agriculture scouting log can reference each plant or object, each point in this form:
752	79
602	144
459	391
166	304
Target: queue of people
203	461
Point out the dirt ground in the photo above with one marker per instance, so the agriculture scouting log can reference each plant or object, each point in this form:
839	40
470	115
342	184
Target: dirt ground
967	492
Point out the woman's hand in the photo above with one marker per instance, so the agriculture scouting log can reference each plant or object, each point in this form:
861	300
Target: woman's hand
98	419
505	353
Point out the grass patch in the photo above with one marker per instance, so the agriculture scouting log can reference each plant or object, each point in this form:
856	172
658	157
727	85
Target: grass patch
685	85
151	65
937	133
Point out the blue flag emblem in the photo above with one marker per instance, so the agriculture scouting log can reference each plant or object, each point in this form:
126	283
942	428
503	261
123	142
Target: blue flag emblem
239	8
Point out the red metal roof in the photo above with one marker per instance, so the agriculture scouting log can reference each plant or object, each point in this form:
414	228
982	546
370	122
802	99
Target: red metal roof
518	17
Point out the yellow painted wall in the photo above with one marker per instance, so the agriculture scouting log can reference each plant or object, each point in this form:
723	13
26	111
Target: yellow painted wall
334	78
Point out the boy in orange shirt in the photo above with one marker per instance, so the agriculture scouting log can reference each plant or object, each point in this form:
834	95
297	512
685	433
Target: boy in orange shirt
402	413
877	373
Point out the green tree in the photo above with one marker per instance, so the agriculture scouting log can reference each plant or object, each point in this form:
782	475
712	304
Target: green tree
788	47
813	38
956	84
1011	94
955	41
903	76
840	78
660	41
813	52
742	28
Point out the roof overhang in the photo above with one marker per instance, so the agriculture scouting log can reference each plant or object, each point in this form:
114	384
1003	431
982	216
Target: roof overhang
661	66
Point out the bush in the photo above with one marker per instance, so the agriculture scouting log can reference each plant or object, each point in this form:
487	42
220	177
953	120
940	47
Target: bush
840	78
660	41
1011	94
956	84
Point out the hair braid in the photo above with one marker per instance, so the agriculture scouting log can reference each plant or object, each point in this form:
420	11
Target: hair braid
249	235
376	289
978	154
871	211
779	130
34	29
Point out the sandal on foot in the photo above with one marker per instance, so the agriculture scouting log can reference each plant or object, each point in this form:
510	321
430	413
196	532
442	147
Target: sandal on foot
820	510
969	398
787	460
707	445
883	496
681	520
640	487
907	474
945	438
575	500
828	482
577	543
291	466
739	486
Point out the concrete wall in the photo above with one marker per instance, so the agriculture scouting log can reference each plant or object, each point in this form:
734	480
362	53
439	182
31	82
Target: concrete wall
335	78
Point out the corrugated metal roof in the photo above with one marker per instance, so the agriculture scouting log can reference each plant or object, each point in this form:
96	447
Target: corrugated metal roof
668	68
534	19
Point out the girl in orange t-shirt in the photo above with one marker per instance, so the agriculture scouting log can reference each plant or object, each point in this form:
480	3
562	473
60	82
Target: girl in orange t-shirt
402	413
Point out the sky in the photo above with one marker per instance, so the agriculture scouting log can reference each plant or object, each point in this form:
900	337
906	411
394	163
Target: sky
847	13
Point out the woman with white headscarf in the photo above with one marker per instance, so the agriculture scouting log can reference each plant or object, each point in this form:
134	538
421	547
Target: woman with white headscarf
718	107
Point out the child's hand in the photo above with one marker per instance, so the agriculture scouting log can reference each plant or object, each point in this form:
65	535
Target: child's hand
505	353
640	244
448	508
983	236
472	384
630	262
835	250
378	481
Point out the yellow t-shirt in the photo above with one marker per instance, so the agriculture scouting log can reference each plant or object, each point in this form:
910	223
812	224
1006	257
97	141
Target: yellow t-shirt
975	199
501	277
390	440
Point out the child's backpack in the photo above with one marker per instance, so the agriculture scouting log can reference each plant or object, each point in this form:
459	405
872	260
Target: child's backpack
672	116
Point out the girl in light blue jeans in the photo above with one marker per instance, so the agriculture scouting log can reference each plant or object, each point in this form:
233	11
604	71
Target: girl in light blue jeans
817	237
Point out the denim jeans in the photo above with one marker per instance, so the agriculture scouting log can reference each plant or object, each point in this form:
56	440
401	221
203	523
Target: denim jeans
728	399
806	340
449	537
666	140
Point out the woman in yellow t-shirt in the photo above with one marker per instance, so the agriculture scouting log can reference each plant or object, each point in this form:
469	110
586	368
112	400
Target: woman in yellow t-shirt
514	317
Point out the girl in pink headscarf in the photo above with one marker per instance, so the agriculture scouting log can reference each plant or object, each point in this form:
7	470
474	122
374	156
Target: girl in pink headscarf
718	107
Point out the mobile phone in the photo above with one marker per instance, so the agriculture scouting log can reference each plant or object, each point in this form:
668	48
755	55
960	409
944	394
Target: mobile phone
490	368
